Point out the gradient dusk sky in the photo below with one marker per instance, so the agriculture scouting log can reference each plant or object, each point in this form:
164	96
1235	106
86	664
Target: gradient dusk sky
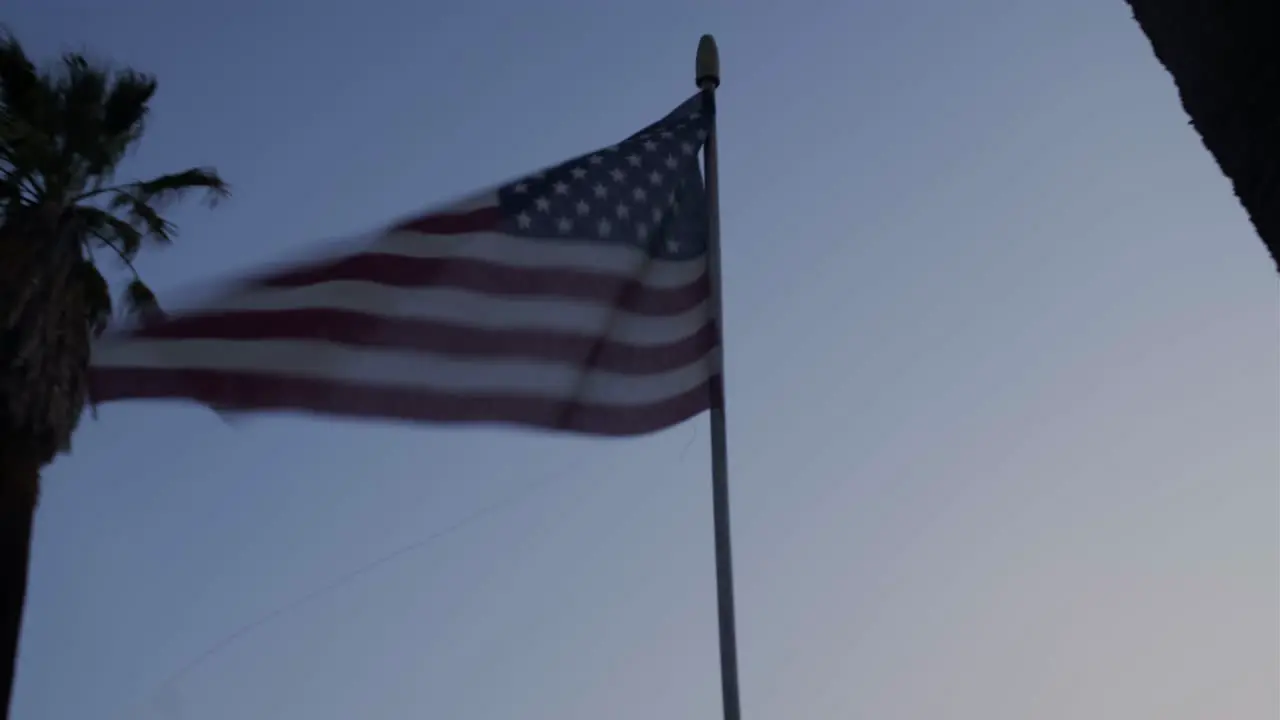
1003	376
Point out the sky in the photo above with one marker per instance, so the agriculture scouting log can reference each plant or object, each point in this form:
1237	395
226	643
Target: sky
1003	377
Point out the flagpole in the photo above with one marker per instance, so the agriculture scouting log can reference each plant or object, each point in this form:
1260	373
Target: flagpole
708	79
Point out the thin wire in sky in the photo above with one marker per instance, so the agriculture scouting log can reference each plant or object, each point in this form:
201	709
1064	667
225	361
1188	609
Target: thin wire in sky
526	492
341	581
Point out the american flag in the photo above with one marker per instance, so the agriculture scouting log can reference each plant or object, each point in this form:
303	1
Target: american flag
577	299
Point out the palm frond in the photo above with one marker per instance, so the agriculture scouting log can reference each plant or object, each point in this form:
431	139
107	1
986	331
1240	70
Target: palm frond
82	90
110	231
160	191
21	91
24	106
140	302
125	109
116	117
144	217
97	296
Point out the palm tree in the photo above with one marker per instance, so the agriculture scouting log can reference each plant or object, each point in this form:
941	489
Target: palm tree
64	131
1224	56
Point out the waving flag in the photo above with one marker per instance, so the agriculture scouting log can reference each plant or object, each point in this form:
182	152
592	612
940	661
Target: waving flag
577	299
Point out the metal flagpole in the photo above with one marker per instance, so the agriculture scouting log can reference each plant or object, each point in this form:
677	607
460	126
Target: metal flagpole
708	79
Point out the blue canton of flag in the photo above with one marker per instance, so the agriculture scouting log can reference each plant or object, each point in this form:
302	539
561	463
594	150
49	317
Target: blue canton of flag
645	191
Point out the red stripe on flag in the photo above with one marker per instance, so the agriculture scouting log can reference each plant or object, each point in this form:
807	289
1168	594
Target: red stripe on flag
486	218
241	391
378	331
627	294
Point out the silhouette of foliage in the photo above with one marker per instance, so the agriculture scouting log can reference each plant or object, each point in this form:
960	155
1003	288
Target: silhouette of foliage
65	130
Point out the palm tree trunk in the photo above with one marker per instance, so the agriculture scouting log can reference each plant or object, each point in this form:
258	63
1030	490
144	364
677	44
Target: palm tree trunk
19	491
1224	56
44	351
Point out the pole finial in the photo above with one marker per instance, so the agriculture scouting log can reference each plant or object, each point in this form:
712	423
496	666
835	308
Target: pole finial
707	67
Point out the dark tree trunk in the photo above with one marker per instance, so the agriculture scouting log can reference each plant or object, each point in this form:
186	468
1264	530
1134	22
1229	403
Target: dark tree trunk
19	491
44	351
1224	56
